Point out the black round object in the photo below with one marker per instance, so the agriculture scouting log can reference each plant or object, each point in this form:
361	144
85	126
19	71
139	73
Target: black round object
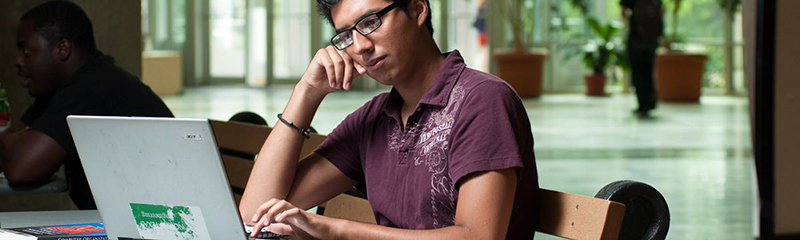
248	117
646	211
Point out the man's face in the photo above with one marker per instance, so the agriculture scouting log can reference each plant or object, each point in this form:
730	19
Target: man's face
35	62
384	52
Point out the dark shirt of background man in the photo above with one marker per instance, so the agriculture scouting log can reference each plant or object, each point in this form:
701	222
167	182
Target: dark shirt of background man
646	22
98	88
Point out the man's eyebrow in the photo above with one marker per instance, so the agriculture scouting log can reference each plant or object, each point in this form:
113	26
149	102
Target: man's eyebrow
370	12
21	44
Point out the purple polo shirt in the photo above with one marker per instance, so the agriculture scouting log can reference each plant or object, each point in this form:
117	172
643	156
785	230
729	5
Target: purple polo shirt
467	121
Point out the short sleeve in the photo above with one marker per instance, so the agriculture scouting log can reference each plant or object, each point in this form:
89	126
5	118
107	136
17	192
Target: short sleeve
52	120
492	132
34	111
341	147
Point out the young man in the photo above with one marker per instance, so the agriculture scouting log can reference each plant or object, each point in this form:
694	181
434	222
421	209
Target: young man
447	154
67	75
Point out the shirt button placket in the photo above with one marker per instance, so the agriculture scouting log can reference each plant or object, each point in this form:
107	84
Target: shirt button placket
406	148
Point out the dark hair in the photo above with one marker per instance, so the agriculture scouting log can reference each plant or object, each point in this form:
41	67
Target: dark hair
324	7
57	20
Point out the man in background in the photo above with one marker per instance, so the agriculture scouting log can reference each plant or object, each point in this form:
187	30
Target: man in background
646	28
66	75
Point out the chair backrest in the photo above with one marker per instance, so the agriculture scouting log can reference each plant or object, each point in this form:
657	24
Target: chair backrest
578	217
240	142
561	214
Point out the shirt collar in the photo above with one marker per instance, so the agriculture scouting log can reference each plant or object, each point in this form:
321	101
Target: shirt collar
438	94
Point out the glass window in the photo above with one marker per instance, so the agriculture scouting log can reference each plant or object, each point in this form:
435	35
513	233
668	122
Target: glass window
463	35
699	20
257	45
240	46
701	28
436	20
161	32
227	38
178	19
163	24
739	84
567	36
292	38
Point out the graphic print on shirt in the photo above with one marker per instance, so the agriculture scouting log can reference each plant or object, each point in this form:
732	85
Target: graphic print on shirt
429	150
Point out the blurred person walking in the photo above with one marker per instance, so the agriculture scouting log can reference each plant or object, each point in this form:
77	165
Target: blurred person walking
646	28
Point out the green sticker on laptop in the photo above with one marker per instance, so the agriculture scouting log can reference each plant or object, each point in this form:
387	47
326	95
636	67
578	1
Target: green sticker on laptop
169	222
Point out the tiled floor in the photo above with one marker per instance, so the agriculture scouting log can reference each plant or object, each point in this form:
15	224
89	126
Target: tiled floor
698	155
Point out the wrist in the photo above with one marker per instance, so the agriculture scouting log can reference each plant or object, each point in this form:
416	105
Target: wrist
336	228
308	92
302	105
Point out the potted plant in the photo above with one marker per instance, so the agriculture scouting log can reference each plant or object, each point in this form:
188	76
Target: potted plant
600	53
604	50
679	75
520	67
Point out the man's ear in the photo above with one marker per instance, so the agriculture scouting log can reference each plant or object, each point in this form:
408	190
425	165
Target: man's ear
420	10
63	50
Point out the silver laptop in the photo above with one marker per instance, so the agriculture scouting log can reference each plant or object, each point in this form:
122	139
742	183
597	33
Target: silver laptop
157	178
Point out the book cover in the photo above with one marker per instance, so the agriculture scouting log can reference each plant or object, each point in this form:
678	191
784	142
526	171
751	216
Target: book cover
86	231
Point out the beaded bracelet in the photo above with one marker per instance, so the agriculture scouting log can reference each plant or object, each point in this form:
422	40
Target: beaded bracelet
304	131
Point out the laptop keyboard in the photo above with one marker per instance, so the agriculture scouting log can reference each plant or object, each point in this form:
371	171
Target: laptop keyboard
264	234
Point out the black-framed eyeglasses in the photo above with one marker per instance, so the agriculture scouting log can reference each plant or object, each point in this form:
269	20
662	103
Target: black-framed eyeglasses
364	26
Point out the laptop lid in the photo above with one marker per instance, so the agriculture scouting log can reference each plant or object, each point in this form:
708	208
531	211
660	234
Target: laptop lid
156	178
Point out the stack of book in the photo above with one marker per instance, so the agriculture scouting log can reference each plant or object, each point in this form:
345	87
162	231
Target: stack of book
86	231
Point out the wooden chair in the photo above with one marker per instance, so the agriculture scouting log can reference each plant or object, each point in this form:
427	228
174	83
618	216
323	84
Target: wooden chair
239	143
560	214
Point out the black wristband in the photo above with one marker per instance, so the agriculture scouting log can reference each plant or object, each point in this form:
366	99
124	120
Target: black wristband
304	131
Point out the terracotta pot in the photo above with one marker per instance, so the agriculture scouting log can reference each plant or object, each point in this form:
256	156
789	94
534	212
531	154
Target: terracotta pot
595	85
679	76
523	71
